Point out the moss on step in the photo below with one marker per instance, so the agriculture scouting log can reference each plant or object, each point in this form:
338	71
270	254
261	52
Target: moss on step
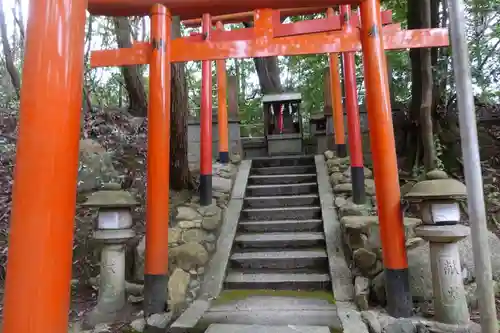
241	294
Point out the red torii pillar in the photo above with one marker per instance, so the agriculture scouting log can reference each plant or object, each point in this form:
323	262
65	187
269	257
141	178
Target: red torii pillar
158	163
206	122
222	123
37	291
385	167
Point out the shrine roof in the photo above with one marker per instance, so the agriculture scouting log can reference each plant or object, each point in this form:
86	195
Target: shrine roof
284	97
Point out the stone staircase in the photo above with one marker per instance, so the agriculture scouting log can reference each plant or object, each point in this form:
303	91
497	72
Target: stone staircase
279	247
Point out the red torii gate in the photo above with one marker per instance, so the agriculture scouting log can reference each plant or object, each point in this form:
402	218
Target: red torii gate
347	21
41	231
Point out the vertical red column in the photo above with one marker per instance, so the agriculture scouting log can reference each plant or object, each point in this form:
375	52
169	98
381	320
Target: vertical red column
336	96
158	159
222	112
44	194
206	122
353	124
385	167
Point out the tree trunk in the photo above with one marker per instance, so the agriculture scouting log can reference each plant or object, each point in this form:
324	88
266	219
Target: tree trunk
269	75
268	72
9	61
426	133
179	168
138	104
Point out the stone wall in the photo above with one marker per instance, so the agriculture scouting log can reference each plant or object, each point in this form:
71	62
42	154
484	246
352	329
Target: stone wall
361	238
192	241
194	138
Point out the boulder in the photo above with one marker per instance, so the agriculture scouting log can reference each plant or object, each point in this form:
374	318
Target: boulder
177	288
189	256
329	154
95	167
185	213
420	270
336	178
361	292
194	235
221	184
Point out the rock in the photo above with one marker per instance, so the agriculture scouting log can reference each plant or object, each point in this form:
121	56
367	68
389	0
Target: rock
189	255
221	184
367	173
364	259
414	243
211	238
329	154
420	270
339	202
352	209
95	166
174	235
194	235
371	321
212	222
378	288
187	224
370	186
336	178
332	166
200	270
361	292
186	213
160	320
467	256
138	325
343	188
356	240
140	259
177	288
101	328
210	247
194	284
236	158
401	326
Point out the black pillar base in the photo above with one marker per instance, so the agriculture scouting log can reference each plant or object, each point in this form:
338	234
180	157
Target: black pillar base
358	184
342	150
205	190
397	286
155	294
224	157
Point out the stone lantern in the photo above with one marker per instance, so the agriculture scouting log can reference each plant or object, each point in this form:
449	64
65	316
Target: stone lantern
112	230
438	199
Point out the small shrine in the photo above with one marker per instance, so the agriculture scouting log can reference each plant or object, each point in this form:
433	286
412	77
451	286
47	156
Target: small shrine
283	123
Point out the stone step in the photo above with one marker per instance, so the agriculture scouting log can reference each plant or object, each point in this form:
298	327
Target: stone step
281	201
282	240
310	258
277	281
282	170
287	189
281	179
281	213
238	328
291	160
274	311
281	225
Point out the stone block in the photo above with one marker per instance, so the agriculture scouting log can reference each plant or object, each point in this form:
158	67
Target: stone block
361	292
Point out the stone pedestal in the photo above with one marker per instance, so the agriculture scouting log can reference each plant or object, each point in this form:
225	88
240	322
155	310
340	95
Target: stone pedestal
450	301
